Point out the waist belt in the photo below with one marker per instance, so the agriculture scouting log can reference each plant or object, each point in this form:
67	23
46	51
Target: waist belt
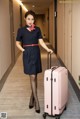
30	45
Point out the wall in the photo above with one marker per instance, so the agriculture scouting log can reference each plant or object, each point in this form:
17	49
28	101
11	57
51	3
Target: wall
23	16
76	40
51	24
64	33
8	21
16	14
60	30
40	23
0	62
67	35
5	41
46	23
68	27
16	21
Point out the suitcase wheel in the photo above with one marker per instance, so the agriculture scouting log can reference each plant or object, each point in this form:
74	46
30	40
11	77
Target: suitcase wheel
44	115
65	108
57	117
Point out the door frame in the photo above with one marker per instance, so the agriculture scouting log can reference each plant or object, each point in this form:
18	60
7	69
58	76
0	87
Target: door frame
12	34
55	24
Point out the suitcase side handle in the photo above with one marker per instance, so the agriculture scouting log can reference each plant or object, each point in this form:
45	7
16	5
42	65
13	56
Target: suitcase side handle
54	67
49	62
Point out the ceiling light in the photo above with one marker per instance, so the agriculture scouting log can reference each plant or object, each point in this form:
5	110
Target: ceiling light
20	3
33	5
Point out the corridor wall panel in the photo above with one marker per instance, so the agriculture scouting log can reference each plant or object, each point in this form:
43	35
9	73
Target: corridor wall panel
76	41
5	41
60	30
0	62
16	22
40	23
16	14
67	35
46	23
23	15
51	25
64	33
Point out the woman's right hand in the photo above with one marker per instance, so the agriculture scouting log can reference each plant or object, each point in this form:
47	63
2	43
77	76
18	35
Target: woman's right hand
23	50
50	51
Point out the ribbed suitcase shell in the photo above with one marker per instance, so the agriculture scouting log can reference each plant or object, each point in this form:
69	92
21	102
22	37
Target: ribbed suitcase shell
55	90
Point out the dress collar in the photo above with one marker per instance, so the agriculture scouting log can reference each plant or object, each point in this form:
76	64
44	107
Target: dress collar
27	26
31	28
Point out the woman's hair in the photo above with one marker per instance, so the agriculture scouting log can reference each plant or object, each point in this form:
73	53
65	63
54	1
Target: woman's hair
30	12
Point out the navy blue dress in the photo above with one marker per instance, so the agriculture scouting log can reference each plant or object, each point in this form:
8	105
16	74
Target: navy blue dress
31	55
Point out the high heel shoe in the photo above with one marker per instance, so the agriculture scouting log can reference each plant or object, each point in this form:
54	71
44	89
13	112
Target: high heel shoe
31	106
38	111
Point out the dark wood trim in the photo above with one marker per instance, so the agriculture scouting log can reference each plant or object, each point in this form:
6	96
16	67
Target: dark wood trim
20	16
12	33
55	24
48	26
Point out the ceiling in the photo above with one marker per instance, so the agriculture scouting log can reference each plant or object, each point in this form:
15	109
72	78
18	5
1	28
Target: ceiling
40	5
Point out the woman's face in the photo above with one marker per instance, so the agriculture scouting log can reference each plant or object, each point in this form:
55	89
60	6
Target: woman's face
29	20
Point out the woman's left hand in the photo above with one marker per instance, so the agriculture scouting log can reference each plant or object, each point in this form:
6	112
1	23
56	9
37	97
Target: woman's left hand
50	51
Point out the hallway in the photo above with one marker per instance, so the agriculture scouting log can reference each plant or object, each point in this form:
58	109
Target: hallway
59	21
14	96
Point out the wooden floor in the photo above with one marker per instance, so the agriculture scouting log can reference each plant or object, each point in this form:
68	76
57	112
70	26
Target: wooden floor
15	94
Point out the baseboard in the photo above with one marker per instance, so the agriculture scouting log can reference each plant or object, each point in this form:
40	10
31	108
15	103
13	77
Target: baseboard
72	81
4	78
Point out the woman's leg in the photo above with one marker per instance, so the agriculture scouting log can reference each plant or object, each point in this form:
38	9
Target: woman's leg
33	80
31	103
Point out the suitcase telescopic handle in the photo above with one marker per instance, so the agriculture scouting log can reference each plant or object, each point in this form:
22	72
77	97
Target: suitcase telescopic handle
49	60
49	63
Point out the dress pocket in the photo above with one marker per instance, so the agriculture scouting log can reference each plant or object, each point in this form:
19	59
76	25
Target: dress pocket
23	51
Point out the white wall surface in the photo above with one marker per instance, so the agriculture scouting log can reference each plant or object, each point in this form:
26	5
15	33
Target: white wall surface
69	36
76	41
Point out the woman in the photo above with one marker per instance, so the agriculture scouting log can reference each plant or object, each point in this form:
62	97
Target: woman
27	41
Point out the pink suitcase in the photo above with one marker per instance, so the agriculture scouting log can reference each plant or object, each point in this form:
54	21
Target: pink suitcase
55	91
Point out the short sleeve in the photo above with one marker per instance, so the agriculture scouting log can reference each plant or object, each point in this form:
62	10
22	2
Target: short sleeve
39	34
19	35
